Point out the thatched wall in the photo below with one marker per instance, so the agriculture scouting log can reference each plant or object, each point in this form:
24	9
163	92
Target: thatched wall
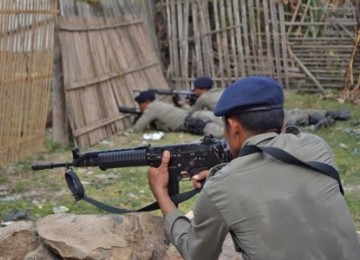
106	54
26	54
112	8
104	61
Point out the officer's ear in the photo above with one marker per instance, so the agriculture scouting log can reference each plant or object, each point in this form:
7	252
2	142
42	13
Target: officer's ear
233	126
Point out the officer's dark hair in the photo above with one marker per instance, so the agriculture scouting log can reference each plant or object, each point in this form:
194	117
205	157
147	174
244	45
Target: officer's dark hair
262	121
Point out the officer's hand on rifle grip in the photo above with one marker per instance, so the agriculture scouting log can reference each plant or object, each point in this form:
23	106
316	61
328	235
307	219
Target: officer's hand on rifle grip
198	180
176	100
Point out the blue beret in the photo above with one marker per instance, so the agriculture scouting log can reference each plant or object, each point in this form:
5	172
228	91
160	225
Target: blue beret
252	93
203	82
145	96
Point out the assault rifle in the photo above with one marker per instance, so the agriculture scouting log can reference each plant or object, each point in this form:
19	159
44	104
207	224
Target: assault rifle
137	113
176	95
186	160
132	111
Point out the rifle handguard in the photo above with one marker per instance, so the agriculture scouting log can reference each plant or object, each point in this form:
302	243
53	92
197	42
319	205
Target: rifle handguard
122	159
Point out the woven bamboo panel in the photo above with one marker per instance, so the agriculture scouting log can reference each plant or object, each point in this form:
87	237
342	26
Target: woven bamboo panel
306	44
104	60
111	8
225	39
26	55
321	41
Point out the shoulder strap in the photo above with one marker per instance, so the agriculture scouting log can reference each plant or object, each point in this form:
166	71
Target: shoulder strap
290	159
78	191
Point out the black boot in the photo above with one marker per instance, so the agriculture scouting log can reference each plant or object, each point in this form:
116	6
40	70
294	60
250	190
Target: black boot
338	115
324	123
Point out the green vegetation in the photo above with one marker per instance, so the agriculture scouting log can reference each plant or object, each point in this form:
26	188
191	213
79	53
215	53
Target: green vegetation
40	193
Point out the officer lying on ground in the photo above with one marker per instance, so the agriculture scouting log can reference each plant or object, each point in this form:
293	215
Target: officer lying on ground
169	118
314	118
273	209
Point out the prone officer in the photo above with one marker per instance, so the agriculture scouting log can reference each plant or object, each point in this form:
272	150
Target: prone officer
316	118
169	118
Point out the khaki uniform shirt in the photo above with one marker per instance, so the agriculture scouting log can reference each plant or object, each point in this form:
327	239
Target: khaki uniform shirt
208	100
169	118
165	116
271	209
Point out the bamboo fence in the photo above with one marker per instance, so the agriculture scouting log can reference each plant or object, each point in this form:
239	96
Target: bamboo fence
306	44
112	9
320	43
26	55
224	39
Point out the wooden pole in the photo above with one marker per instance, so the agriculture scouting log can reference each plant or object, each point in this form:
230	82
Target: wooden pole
60	122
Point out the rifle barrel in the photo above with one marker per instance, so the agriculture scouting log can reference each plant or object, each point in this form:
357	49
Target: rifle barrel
171	92
37	167
131	110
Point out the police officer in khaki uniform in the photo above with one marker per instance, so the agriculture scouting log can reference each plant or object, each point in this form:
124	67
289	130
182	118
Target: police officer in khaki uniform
272	209
207	96
169	118
313	118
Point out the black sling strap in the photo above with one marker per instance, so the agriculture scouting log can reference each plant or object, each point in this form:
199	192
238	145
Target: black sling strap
78	191
290	159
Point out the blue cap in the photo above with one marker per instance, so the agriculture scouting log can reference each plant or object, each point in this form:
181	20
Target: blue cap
203	82
252	93
145	96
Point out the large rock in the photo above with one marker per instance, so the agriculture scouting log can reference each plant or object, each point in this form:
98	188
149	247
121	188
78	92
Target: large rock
17	240
133	236
67	236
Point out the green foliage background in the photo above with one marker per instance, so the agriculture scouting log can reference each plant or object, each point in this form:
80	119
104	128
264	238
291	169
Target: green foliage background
40	193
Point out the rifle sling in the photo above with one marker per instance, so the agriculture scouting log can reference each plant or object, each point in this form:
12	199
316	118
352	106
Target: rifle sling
290	159
78	191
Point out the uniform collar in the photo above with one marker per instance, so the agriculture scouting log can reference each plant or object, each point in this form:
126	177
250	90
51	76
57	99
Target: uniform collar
256	139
